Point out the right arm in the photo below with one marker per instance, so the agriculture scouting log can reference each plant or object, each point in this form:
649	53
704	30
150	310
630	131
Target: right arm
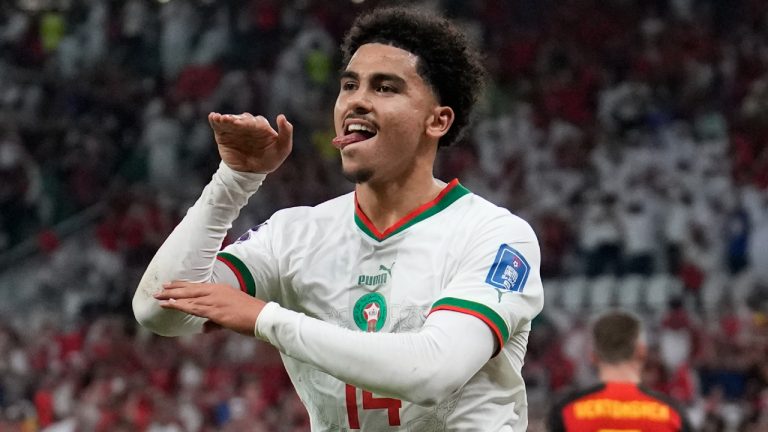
189	253
249	149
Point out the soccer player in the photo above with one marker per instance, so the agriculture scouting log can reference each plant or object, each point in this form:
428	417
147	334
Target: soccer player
619	402
402	306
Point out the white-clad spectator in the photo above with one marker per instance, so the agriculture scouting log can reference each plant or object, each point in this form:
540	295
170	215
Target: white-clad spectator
179	23
70	54
508	135
294	89
214	41
95	33
20	190
639	229
758	247
675	141
677	227
235	92
675	346
600	236
495	146
682	9
16	24
162	137
623	107
576	342
135	17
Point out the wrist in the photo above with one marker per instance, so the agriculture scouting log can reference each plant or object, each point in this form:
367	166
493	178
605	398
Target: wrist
264	319
246	181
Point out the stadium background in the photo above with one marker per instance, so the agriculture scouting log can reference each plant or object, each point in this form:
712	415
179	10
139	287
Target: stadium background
632	135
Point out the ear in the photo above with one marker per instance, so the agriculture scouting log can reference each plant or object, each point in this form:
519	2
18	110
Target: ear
439	122
641	352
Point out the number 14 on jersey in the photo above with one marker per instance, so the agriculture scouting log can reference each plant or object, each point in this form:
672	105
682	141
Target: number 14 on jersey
370	403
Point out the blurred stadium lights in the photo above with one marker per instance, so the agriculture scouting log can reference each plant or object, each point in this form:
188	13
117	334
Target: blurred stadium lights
357	1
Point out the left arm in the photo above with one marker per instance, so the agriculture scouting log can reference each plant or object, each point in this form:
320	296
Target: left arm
424	367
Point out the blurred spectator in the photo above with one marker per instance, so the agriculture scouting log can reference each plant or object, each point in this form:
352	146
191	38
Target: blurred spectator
162	137
179	21
601	237
677	231
20	191
640	238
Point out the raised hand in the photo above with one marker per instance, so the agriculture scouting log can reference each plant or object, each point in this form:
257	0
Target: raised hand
221	304
249	144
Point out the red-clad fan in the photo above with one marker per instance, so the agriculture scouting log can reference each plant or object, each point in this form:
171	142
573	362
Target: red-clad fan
619	402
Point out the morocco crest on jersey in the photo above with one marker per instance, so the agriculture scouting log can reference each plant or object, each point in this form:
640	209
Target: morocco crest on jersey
370	312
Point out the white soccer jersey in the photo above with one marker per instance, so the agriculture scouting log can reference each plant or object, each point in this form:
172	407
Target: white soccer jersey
458	252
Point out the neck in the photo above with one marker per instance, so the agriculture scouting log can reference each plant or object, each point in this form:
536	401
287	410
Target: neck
386	203
621	372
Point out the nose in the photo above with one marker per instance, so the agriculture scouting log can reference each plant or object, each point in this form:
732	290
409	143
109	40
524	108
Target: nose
358	102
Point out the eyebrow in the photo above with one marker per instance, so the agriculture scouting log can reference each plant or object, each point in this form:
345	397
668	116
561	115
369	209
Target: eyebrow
376	77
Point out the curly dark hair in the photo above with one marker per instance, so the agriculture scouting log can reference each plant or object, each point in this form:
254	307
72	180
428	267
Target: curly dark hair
446	61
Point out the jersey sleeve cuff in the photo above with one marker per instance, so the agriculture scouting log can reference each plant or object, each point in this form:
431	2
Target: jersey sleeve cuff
492	319
244	181
265	319
241	272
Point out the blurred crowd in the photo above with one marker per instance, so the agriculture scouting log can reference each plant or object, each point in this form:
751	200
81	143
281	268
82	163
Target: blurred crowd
632	134
716	367
104	376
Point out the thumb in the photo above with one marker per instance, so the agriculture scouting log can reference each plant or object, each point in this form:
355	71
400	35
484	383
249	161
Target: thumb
284	133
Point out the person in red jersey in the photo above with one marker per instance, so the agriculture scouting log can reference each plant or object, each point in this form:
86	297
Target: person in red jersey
619	403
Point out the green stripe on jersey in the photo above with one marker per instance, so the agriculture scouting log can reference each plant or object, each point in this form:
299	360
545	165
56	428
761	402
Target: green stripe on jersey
455	192
241	271
494	319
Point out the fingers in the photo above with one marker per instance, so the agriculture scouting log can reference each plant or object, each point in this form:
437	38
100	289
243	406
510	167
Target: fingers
216	121
183	290
284	133
181	304
215	117
239	122
188	297
185	305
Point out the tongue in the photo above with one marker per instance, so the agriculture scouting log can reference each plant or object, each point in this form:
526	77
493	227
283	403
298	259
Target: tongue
341	141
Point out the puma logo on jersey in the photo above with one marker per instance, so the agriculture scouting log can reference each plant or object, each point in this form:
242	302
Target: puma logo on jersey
376	280
379	279
388	270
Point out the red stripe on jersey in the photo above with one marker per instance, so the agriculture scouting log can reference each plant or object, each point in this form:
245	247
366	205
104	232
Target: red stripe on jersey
476	314
236	272
405	219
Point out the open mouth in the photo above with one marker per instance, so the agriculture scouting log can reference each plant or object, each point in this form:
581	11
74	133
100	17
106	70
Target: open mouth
353	133
360	129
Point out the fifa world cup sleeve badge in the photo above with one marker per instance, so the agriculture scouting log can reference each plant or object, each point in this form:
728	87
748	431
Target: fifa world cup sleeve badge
509	271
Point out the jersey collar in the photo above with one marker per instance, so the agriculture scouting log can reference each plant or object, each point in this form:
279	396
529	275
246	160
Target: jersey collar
450	193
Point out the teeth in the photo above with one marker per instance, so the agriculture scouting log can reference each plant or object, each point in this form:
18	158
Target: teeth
358	127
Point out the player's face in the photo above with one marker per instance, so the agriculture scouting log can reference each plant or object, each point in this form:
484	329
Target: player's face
382	115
